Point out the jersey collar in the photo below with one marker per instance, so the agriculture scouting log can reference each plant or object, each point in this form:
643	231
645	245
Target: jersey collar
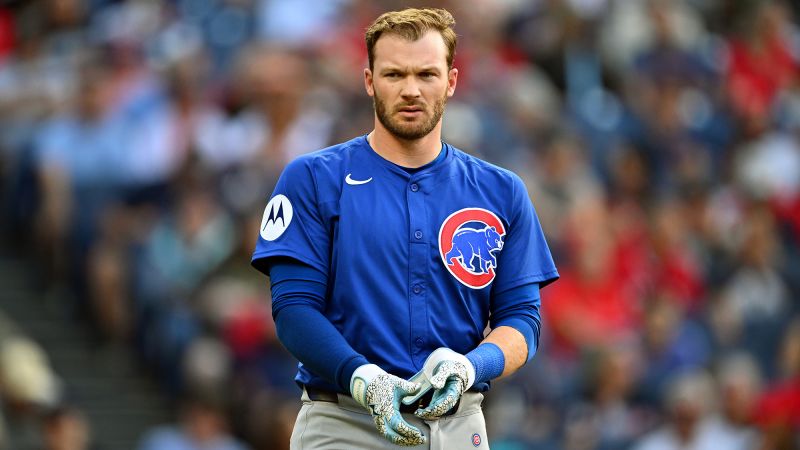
429	169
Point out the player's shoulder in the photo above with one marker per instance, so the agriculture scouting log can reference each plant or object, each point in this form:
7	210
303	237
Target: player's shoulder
484	169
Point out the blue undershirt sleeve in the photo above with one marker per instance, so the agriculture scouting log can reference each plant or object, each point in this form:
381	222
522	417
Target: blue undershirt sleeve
519	308
298	299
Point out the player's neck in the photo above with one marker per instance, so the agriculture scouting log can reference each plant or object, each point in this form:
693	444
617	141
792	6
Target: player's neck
406	153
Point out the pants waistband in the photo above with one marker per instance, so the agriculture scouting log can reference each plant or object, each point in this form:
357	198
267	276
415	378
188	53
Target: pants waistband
319	395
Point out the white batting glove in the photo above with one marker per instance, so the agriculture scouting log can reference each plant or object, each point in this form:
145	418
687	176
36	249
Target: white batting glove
450	374
380	392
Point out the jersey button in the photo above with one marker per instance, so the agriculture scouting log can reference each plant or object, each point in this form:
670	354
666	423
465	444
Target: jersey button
419	342
418	234
414	187
417	289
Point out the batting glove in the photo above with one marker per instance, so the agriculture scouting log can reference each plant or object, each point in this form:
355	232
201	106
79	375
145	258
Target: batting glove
380	393
450	374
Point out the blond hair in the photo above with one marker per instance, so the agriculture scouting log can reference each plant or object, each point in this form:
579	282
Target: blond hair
412	24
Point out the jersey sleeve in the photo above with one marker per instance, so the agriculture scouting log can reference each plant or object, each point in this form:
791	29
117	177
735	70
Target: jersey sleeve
525	257
292	225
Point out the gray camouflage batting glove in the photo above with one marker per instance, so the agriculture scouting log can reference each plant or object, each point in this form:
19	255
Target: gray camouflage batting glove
380	393
450	374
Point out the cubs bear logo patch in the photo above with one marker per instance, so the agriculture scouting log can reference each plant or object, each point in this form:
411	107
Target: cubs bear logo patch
468	242
476	440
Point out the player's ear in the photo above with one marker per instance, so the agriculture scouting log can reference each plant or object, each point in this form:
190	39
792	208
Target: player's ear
368	82
452	80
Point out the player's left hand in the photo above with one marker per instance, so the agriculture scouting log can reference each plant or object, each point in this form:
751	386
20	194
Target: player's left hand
450	374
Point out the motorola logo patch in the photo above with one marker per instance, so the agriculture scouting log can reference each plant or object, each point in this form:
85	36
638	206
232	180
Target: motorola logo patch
277	217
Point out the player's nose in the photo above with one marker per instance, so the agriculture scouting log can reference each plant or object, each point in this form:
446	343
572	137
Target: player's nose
410	89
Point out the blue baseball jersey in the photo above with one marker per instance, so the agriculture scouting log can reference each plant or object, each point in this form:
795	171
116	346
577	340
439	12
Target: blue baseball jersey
412	259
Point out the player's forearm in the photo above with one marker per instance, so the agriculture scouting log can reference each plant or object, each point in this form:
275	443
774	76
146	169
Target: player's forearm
501	353
298	292
512	343
516	323
302	330
515	333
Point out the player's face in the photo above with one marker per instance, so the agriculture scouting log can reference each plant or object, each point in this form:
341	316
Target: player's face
410	83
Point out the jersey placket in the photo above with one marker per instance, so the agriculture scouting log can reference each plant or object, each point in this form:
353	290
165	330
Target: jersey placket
417	267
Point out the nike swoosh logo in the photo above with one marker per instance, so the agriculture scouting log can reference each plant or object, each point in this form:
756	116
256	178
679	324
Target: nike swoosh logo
353	182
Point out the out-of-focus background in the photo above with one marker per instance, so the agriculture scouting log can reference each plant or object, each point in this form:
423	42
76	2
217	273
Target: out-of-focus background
140	140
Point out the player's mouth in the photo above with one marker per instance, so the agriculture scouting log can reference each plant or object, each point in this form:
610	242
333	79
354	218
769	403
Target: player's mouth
411	111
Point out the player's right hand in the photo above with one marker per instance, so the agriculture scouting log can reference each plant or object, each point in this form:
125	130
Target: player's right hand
380	392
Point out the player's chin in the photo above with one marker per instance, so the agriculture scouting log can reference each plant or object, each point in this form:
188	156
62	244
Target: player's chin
411	131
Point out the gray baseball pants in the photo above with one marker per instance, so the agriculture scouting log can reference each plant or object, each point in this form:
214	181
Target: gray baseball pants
347	425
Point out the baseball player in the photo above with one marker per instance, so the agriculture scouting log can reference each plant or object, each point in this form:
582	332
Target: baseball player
388	256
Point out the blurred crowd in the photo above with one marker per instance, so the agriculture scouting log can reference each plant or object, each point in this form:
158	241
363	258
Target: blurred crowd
659	139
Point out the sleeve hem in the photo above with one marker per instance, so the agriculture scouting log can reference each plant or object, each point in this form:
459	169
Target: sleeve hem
543	279
262	255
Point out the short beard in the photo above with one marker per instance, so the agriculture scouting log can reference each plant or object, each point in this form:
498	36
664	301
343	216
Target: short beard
406	131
